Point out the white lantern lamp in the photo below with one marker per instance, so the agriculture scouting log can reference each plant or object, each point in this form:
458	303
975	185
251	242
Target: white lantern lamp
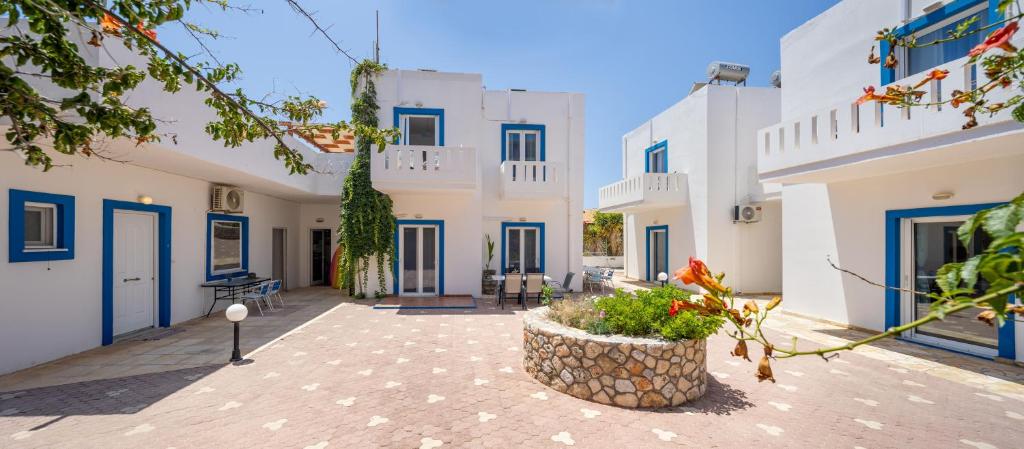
663	278
235	313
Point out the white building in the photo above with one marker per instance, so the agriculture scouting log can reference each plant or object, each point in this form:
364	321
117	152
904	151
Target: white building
879	190
86	258
97	249
683	174
472	163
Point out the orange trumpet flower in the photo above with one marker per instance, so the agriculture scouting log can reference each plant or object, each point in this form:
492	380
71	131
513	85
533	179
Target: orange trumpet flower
998	39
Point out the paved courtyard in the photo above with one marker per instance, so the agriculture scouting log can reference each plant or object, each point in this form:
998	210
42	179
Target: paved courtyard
333	373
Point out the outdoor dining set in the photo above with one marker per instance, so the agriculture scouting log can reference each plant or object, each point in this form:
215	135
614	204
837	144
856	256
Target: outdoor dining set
247	289
524	286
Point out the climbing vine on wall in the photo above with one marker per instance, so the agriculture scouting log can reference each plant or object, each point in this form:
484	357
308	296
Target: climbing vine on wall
367	221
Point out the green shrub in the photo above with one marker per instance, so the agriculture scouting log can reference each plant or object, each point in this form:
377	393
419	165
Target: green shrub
599	327
645	314
689	325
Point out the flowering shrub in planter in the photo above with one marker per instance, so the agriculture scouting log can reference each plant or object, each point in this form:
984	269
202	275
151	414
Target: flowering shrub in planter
647	313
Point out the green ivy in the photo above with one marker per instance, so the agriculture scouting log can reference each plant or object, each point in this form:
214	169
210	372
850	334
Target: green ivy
367	221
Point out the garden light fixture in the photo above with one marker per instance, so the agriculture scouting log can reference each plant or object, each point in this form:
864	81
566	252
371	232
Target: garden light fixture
235	313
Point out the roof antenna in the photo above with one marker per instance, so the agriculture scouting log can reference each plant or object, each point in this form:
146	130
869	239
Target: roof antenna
376	43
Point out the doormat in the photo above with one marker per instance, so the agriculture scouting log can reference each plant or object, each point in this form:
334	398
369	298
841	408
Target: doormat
155	334
444	302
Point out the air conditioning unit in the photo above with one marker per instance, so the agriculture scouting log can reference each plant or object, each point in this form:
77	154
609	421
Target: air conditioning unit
746	213
227	199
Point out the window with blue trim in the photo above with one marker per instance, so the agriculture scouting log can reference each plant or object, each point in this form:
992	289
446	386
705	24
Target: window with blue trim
522	247
656	158
920	59
227	246
937	25
41	227
420	126
521	142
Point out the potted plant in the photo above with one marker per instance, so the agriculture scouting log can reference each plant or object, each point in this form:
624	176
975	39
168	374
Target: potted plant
488	285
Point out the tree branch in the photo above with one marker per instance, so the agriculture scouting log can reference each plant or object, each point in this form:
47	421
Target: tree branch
202	78
298	8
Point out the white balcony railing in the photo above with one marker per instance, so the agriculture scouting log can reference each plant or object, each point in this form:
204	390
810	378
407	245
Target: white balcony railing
646	191
532	180
848	133
423	168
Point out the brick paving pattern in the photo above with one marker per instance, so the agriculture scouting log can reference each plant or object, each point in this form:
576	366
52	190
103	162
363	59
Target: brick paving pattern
359	377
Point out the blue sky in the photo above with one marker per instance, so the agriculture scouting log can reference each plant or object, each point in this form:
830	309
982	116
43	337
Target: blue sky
632	59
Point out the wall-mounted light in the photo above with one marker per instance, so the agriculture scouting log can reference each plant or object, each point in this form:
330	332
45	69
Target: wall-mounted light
522	218
418	215
419	104
655	221
939	196
144	199
319	219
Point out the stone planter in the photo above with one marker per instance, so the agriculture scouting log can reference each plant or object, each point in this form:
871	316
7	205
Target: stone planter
615	370
487	285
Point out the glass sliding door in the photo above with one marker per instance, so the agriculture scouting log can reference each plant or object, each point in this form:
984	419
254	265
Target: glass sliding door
522	251
657	253
929	243
418	260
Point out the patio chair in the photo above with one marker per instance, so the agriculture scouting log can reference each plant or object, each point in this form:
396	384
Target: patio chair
513	286
261	294
534	286
606	279
561	288
592	278
275	291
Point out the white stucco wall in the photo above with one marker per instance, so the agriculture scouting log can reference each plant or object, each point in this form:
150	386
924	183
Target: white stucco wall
51	309
845	221
711	138
473	118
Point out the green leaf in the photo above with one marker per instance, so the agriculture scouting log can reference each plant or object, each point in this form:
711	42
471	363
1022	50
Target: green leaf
966	231
969	271
948	277
1002	221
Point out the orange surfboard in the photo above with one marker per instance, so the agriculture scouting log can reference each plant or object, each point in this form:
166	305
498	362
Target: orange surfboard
335	279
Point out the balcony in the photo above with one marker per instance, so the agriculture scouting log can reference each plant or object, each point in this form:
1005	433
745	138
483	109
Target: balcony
532	181
413	168
645	192
850	141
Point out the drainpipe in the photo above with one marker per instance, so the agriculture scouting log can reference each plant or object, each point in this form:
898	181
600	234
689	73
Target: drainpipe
568	198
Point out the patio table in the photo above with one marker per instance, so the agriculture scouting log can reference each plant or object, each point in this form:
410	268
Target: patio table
229	288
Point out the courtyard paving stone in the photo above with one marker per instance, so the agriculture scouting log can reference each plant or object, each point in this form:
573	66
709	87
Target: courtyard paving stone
339	374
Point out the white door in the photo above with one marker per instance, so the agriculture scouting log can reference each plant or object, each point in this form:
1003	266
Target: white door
928	243
418	260
134	271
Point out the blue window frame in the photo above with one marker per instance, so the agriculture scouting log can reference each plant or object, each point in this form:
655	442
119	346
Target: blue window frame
893	265
440	253
519	237
41	227
935	25
659	234
163	263
417	120
521	142
656	158
224	260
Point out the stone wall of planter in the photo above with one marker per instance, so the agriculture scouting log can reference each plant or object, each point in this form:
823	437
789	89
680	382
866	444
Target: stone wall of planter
616	370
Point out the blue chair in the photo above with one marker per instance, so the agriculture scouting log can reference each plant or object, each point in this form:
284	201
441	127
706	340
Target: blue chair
275	291
262	293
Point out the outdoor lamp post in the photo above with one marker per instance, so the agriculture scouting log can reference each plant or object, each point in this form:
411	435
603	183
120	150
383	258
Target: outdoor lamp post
235	313
663	278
